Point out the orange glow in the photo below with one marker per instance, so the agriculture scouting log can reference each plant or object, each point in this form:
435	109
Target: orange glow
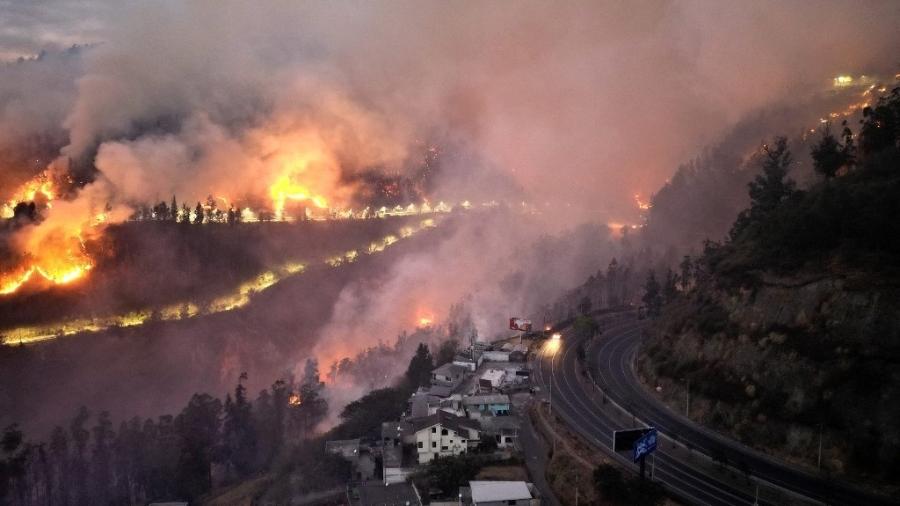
40	189
59	258
304	172
641	204
294	399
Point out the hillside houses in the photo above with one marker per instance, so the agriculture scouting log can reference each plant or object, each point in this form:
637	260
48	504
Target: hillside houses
466	407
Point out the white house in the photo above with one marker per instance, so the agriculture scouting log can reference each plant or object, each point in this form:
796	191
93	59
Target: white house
443	434
503	493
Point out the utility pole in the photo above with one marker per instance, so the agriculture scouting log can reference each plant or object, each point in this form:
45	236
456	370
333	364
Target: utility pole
687	401
756	497
576	496
819	462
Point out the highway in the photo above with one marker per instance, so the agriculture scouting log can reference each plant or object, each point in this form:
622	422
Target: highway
590	406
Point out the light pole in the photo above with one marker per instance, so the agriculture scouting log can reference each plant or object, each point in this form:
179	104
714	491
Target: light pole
687	400
819	461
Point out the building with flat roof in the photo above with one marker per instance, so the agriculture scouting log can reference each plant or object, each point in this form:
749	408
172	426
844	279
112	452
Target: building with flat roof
503	493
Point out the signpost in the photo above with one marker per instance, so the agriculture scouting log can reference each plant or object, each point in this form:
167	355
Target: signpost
520	324
640	442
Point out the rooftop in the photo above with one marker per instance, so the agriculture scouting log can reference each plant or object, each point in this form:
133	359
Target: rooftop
343	446
375	493
449	369
447	420
493	491
486	399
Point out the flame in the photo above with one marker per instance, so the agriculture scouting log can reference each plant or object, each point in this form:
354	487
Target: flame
39	189
294	399
641	204
237	299
57	255
294	181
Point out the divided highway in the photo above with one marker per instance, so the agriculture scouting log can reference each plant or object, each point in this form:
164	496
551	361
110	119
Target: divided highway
580	403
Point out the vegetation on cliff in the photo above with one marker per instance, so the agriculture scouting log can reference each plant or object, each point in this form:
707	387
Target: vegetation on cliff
789	330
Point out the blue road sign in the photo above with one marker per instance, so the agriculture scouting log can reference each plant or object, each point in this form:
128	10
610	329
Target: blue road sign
645	445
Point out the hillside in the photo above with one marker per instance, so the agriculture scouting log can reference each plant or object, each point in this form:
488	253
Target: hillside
790	328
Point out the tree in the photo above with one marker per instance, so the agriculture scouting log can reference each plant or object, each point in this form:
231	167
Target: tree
101	458
687	272
584	306
670	288
420	366
198	214
449	473
828	155
198	431
768	189
881	125
12	458
585	326
364	416
446	351
173	210
610	484
613	290
80	437
652	297
312	407
238	433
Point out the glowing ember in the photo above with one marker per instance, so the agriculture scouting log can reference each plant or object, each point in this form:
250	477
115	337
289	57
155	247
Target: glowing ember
642	204
294	399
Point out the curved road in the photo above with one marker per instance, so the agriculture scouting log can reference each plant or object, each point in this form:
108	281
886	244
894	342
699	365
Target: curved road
579	401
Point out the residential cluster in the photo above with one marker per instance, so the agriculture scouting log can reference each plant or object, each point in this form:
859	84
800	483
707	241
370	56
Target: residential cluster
468	405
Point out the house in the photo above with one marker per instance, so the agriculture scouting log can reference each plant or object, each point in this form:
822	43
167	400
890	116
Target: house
503	493
504	429
496	356
376	493
359	456
397	433
448	375
398	464
477	406
423	403
443	434
491	379
346	448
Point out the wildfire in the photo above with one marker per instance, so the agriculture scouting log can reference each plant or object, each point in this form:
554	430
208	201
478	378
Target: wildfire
238	298
426	319
39	189
642	204
294	399
56	255
301	172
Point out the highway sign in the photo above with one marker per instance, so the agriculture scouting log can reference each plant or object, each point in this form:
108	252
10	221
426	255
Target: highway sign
645	445
624	440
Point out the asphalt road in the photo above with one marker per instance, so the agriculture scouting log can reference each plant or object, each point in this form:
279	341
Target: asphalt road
577	400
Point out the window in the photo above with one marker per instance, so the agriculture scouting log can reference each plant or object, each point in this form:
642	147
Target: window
433	444
443	448
433	430
511	503
443	432
421	444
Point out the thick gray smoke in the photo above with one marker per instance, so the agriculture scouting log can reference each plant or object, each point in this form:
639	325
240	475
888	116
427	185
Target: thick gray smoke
588	102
